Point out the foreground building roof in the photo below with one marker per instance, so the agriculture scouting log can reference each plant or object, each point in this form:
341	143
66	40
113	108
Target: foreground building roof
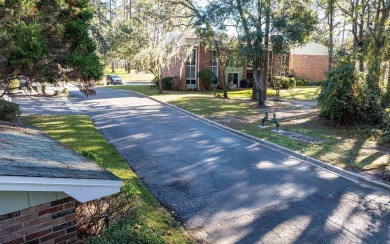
32	161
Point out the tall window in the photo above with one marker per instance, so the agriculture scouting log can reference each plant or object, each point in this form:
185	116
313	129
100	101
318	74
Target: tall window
191	68
214	62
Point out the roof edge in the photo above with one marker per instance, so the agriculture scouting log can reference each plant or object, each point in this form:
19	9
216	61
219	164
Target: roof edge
83	190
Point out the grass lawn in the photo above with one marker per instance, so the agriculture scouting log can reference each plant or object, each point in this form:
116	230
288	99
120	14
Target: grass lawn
344	147
79	133
298	93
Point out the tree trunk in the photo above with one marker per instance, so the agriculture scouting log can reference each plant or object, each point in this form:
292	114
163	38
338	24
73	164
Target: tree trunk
257	77
330	21
254	90
100	14
225	85
258	61
110	2
386	97
113	66
160	90
360	43
223	70
373	77
265	72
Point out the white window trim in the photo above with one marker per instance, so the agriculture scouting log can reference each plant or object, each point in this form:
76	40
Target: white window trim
211	66
233	72
196	68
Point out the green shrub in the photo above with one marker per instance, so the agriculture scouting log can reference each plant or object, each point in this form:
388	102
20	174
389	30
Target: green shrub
284	82
128	231
9	111
65	91
155	82
166	82
56	92
13	85
302	82
344	98
207	77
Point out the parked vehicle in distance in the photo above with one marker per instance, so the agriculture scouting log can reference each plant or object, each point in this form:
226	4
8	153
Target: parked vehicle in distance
114	80
23	81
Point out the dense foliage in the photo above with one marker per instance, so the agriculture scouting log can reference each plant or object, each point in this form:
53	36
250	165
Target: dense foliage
345	99
166	82
9	111
48	41
207	77
302	82
284	82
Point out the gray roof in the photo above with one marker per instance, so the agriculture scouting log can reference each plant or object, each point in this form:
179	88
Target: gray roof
28	152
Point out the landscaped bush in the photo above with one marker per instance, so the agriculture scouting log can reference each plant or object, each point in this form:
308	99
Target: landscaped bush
302	82
155	81
245	83
344	98
207	77
9	111
284	82
13	85
65	91
166	82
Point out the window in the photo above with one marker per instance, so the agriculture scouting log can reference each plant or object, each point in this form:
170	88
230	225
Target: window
214	62
191	68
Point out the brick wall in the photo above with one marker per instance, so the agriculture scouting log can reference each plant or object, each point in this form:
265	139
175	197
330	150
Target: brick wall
177	68
310	67
204	62
53	222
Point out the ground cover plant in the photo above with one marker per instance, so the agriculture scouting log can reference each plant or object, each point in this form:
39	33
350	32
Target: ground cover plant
353	148
149	221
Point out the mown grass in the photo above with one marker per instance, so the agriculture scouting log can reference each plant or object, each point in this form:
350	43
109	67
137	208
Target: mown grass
342	146
79	133
298	93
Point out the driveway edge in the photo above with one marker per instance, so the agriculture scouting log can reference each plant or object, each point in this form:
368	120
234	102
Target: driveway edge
355	177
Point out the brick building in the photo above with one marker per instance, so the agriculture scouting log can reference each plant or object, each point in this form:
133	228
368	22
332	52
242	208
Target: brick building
308	62
40	182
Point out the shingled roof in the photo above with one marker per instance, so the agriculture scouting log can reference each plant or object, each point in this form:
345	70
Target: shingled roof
28	153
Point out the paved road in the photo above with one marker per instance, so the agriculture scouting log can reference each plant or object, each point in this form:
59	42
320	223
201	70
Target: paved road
226	189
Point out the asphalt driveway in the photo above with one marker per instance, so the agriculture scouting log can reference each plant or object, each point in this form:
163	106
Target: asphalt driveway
225	188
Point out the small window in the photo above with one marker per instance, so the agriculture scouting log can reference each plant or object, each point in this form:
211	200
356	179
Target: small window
214	62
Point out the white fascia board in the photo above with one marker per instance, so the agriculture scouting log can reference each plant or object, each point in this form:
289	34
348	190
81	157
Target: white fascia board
83	190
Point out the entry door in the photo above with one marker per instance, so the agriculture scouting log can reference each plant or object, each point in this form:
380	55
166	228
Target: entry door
233	79
249	76
191	70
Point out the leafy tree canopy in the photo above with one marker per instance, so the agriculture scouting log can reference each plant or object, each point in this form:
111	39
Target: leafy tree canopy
48	41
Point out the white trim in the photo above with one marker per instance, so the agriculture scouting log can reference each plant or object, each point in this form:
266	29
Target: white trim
310	48
197	68
233	72
83	190
217	66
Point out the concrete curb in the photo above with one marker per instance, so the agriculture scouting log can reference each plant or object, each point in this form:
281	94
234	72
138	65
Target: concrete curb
355	177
